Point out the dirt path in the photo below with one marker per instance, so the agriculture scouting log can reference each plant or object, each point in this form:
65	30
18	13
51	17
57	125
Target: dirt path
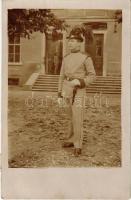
36	133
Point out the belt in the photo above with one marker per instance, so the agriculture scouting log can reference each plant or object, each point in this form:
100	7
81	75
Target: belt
75	88
69	79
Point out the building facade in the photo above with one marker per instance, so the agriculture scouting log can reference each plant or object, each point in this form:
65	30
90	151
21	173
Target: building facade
44	55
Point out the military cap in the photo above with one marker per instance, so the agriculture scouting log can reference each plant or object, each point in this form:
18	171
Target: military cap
75	36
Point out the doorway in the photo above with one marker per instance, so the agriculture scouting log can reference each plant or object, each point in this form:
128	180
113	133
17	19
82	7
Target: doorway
53	55
95	49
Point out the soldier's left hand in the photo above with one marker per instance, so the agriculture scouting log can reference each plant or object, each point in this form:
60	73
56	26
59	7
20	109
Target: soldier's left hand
75	82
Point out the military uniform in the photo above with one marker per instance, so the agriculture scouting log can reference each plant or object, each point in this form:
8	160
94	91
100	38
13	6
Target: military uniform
76	65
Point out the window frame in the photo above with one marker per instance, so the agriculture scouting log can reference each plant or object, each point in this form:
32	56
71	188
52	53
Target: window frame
14	44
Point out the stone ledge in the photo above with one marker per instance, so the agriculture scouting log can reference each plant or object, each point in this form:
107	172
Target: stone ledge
30	82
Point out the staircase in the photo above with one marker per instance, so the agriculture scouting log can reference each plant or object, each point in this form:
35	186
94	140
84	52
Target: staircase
107	85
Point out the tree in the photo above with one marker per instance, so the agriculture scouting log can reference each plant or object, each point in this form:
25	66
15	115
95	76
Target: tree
118	16
26	21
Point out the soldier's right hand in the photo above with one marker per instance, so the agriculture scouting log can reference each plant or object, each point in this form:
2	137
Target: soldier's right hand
60	101
75	82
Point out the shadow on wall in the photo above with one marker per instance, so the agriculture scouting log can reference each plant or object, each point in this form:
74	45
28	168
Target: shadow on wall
27	70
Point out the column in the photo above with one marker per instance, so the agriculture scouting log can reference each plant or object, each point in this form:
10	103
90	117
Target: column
83	45
43	53
64	43
105	54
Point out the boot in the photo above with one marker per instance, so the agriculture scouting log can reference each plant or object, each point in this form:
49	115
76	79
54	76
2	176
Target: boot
77	152
67	144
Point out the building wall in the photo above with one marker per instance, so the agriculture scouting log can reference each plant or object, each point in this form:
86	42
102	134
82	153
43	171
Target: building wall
83	13
113	41
14	73
32	51
114	48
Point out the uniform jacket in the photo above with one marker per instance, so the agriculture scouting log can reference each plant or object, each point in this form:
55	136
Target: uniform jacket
78	66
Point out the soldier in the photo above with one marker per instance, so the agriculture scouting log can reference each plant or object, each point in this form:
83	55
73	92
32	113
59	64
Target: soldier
77	72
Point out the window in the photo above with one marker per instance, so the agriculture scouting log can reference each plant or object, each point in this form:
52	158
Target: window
14	49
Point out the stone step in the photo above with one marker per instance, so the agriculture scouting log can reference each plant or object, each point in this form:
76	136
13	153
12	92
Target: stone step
97	80
89	88
92	91
93	84
99	77
109	85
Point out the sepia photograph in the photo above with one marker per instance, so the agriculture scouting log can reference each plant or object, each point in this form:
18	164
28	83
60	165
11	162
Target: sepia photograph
64	88
65	99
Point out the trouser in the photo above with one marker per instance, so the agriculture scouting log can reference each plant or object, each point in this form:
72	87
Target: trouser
75	112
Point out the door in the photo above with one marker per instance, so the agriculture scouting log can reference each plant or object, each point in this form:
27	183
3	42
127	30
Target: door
53	55
95	49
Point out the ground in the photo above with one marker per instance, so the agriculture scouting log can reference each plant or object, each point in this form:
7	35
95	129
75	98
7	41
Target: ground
37	130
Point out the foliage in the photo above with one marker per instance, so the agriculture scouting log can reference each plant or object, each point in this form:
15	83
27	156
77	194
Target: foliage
26	21
118	16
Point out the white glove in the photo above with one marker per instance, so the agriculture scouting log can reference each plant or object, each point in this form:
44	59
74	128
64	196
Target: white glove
60	101
75	82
